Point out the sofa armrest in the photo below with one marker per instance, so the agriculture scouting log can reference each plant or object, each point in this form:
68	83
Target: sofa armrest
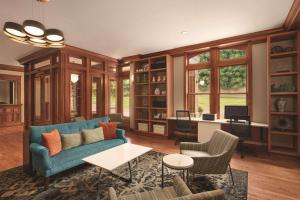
112	195
42	153
194	146
210	195
180	187
121	134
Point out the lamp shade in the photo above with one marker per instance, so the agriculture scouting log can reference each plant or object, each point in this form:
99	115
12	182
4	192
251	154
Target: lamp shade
34	28
13	29
54	35
56	45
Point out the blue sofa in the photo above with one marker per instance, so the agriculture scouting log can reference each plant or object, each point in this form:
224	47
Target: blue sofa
47	166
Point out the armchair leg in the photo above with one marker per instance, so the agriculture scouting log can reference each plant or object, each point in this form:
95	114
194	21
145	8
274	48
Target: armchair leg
231	174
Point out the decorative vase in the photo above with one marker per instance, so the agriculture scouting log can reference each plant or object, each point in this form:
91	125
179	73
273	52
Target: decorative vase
280	104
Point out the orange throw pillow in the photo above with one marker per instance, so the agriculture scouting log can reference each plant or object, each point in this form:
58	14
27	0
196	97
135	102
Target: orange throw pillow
52	141
109	129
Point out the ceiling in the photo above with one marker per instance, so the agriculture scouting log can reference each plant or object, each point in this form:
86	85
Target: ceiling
119	28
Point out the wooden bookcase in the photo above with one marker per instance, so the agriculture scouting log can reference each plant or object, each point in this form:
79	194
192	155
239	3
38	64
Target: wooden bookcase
283	93
153	93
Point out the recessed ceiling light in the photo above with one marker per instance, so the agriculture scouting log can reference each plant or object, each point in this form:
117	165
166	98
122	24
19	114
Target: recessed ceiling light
184	32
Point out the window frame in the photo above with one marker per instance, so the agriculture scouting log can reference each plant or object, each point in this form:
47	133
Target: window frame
215	64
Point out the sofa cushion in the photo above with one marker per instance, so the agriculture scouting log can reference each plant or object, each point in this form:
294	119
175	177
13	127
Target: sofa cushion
109	129
92	135
71	140
52	142
65	128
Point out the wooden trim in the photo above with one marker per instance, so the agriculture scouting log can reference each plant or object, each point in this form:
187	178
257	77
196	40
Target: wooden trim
292	19
260	36
11	68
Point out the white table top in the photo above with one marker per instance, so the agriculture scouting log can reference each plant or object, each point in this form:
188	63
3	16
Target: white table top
222	121
178	161
116	156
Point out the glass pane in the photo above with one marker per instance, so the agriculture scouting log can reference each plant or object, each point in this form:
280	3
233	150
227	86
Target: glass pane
233	79
199	81
37	98
47	97
226	54
231	100
97	96
99	65
94	97
202	104
126	68
75	95
8	94
112	96
199	103
126	97
200	58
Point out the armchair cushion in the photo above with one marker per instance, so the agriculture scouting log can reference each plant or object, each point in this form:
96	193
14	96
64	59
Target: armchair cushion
195	154
161	194
180	187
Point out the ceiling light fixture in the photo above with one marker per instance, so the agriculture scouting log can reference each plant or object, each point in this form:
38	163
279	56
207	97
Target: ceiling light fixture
34	33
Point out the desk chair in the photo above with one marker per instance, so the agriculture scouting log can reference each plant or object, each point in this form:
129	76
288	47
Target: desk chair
241	129
183	129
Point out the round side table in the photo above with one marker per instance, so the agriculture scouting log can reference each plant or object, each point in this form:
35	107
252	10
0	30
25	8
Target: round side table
177	162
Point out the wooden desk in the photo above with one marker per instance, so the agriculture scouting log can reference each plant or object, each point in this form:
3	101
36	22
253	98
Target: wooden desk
206	129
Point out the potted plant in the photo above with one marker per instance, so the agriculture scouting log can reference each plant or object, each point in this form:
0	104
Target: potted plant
200	111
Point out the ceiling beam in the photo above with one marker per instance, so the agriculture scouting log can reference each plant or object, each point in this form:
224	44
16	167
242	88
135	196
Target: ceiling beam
293	18
11	68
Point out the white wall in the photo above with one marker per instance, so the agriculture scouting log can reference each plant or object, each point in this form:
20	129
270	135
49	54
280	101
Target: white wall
259	83
22	87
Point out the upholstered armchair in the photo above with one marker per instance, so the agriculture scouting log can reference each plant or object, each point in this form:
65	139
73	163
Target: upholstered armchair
179	191
212	157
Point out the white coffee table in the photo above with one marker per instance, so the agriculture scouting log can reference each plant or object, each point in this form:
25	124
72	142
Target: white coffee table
177	162
115	157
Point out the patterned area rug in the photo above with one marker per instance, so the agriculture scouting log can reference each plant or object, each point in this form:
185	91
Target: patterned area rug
83	182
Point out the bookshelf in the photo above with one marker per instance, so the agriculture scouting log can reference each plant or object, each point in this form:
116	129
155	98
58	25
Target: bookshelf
153	93
283	90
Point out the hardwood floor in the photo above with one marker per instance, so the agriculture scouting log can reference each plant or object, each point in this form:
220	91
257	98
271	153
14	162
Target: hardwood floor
271	177
11	147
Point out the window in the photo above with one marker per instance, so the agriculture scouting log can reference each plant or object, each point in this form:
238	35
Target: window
233	82
226	54
97	97
200	58
112	96
216	78
199	90
75	95
125	99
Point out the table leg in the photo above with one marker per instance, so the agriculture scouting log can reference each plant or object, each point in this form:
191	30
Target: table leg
98	185
130	173
162	174
183	175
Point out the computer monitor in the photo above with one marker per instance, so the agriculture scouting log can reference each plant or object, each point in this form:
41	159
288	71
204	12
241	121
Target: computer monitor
235	111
